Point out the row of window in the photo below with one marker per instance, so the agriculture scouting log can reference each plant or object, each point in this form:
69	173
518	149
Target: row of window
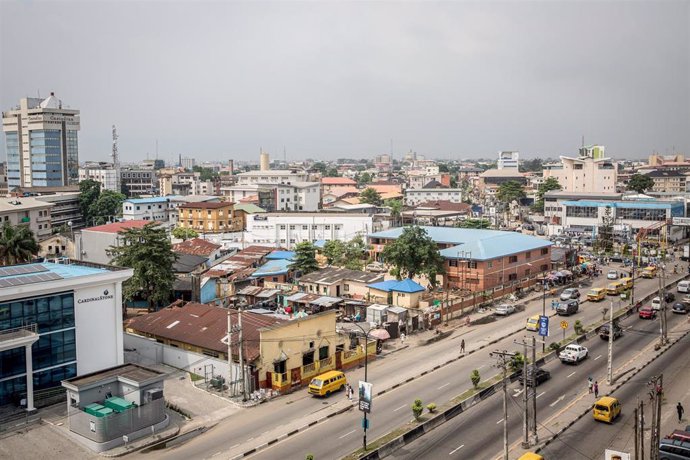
13	389
313	227
50	313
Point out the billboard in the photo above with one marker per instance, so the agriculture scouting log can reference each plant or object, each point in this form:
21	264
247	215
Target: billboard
365	394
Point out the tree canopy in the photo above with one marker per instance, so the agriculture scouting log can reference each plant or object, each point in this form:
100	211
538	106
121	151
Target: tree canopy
364	178
474	223
549	184
98	206
148	251
414	253
396	207
305	258
510	191
370	196
640	183
351	254
533	165
17	244
184	233
206	174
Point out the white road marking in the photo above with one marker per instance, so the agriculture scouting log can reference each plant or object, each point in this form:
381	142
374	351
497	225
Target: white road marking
557	401
396	410
483	365
347	434
236	445
597	357
518	392
540	394
455	450
571	374
443	386
499	421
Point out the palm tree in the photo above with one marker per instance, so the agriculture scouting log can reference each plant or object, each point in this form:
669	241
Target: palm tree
17	244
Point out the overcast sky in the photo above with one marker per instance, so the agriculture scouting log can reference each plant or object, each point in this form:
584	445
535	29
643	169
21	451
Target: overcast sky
219	80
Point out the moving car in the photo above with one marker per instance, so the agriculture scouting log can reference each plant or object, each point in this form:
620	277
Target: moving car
606	409
669	297
568	308
656	303
672	449
538	376
648	272
604	331
627	282
679	307
327	383
573	354
612	275
615	288
596	294
532	323
504	309
647	312
684	286
570	294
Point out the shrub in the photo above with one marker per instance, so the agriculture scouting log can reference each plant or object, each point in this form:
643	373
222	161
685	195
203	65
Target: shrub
310	457
431	407
475	378
516	362
579	329
554	346
417	408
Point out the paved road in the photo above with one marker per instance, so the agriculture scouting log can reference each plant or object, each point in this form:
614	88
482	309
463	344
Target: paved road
391	409
588	439
463	437
480	440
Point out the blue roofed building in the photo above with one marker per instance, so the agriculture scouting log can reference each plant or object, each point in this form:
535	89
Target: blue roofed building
481	260
402	293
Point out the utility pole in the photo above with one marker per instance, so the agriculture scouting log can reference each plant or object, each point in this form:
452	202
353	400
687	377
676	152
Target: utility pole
641	457
525	387
543	308
656	382
637	433
229	349
241	353
534	394
503	357
662	293
609	368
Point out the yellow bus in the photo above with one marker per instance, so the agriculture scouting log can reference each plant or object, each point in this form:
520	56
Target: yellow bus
596	294
327	383
615	288
627	282
649	272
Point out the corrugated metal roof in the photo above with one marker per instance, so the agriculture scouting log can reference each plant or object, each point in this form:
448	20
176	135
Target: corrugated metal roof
273	267
406	285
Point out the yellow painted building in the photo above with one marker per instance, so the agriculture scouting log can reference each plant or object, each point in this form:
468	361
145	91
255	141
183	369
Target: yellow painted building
207	217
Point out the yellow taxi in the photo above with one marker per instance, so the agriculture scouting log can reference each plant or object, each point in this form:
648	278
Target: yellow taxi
615	288
532	323
596	294
606	409
627	282
648	272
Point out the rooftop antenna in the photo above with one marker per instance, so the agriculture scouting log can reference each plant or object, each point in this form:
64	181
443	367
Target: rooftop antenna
156	149
116	160
284	155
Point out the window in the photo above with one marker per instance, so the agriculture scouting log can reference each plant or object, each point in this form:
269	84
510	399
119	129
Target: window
528	255
292	227
346	287
305	227
471	264
452	262
327	226
490	264
544	251
282	227
512	277
512	259
581	211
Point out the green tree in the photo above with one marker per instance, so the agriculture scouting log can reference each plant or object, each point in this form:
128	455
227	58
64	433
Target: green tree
414	252
107	206
334	250
206	174
396	207
549	184
305	258
640	183
184	233
17	244
355	253
89	191
534	165
604	241
332	172
517	361
148	251
475	378
370	196
417	408
321	167
510	191
474	223
364	178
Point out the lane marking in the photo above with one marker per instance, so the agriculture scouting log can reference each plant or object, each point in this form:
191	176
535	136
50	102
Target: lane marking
347	434
396	410
597	357
499	421
455	450
541	394
518	392
443	386
571	374
557	401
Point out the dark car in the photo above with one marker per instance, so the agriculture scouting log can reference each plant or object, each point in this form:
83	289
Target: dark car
680	307
647	312
568	308
669	297
542	375
604	331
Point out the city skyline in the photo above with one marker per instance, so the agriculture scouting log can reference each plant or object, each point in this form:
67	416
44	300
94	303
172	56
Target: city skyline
325	81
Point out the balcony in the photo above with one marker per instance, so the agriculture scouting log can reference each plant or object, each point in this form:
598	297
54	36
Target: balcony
18	337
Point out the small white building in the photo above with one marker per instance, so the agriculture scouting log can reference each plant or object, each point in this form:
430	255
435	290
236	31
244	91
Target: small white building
92	243
414	197
295	196
152	209
103	173
276	176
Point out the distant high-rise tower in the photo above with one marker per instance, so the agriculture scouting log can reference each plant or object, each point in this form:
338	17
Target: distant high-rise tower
508	160
42	143
264	161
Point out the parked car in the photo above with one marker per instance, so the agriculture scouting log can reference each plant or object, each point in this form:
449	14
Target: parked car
505	309
568	308
679	307
573	354
539	376
604	331
647	312
612	275
570	293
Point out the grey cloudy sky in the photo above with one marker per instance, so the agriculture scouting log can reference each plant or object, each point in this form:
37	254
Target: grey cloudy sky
218	80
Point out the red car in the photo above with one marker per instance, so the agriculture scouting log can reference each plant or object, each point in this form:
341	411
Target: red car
647	312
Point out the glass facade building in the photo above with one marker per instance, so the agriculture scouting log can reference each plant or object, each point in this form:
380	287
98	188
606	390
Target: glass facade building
13	163
54	354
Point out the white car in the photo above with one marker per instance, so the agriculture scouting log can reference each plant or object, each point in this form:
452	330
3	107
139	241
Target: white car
612	275
656	303
573	354
505	309
684	286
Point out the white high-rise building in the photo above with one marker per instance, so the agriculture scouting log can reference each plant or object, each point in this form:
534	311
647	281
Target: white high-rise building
104	173
42	143
508	160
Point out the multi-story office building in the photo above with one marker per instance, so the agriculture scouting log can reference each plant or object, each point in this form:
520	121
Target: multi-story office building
590	172
187	163
209	217
57	321
42	143
138	182
101	172
295	196
156	208
668	180
3	178
276	176
66	210
32	212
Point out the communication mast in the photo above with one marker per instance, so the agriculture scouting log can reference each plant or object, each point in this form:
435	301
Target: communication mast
116	160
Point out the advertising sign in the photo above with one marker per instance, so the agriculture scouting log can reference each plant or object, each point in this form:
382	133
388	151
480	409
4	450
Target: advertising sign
365	393
544	326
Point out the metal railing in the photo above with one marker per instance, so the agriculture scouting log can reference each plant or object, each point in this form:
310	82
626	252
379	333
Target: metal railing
19	332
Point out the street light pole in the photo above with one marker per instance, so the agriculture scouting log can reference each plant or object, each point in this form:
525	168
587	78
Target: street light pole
543	309
366	375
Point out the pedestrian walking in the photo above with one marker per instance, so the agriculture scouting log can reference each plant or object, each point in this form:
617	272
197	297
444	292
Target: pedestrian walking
462	346
596	389
590	384
402	338
680	410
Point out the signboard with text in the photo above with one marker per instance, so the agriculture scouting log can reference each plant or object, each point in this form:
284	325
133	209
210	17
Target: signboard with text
365	393
544	326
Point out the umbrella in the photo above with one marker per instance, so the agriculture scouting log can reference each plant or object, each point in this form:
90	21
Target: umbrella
380	334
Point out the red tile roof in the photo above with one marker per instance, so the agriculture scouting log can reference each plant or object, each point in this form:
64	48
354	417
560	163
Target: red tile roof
117	227
203	326
337	181
197	247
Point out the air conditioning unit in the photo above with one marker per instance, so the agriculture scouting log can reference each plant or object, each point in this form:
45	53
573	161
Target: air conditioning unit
153	394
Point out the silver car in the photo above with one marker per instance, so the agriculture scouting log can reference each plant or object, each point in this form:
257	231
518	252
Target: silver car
505	309
570	294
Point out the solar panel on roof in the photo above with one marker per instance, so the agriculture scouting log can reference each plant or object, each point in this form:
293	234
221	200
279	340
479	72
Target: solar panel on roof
29	279
22	270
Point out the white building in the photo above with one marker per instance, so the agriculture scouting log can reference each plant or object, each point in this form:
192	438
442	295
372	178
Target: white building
295	196
591	172
152	209
185	183
287	229
92	244
508	160
103	173
277	176
67	317
415	196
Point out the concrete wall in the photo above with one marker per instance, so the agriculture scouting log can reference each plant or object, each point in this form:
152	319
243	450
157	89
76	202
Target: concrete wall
92	246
